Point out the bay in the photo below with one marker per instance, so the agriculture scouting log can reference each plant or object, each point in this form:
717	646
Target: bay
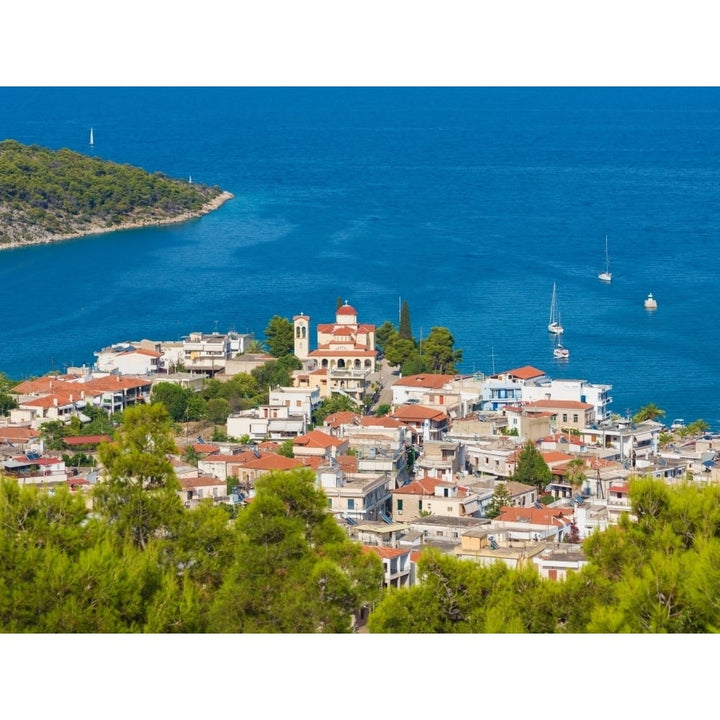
469	203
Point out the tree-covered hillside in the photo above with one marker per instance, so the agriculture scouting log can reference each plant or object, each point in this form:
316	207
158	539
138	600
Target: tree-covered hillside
50	194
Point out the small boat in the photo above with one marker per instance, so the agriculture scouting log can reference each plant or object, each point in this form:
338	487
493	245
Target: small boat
92	141
606	275
554	325
560	352
650	302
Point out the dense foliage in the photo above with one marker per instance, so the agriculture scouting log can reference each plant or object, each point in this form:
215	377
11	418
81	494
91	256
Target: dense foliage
141	562
51	193
658	574
434	354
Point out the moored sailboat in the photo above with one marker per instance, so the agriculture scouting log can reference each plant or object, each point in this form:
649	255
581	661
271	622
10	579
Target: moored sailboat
554	325
606	275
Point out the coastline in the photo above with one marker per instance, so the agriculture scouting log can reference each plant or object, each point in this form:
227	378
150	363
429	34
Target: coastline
208	207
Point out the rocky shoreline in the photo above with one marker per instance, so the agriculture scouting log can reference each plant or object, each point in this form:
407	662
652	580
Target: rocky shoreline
208	207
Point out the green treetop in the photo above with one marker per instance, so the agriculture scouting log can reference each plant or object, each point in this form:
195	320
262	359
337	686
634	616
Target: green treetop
531	468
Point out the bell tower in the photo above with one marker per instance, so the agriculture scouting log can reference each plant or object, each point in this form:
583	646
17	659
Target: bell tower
301	331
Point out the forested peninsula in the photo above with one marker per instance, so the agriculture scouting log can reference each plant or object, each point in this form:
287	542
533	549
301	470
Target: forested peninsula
49	195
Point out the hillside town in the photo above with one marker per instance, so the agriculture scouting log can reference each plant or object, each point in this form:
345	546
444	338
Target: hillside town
425	473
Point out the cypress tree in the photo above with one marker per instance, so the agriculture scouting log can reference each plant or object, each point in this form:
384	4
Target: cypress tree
405	330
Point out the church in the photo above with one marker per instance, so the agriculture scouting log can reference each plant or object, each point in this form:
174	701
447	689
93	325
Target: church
345	354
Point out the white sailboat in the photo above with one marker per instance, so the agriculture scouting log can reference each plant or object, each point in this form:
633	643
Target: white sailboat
606	275
560	352
554	325
92	141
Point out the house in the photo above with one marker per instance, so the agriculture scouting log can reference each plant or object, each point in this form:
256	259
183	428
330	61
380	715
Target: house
483	546
335	422
506	388
441	459
345	349
319	444
521	495
477	424
223	465
492	456
533	524
202	487
127	359
249	469
618	502
426	423
266	421
245	363
557	560
139	358
317	379
562	441
529	423
569	414
445	528
431	495
427	389
575	390
396	565
14	439
629	440
34	469
377	532
187	381
356	497
206	353
299	401
380	447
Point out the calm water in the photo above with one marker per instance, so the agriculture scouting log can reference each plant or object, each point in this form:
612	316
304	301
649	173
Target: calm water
468	203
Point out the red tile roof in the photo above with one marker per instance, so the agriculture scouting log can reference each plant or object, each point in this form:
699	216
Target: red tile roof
422	486
342	417
388	552
526	372
317	438
86	439
418	413
536	516
385	421
18	434
555	457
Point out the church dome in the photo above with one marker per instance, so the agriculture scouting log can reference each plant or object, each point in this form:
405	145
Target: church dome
347	310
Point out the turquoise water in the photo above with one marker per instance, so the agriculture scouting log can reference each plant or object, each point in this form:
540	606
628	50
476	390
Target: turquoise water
469	203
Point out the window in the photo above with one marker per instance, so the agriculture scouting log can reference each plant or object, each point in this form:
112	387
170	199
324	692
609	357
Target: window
399	506
351	504
575	417
564	417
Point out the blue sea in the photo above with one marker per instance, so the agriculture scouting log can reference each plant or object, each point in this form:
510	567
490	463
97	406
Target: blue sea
468	203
